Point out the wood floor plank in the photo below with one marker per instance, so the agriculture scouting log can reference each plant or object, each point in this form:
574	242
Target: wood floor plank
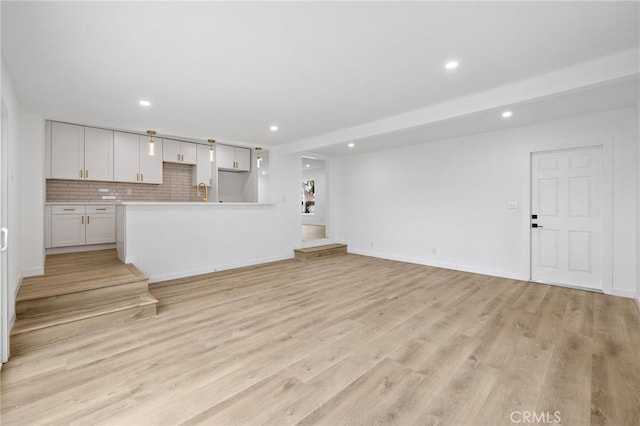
345	339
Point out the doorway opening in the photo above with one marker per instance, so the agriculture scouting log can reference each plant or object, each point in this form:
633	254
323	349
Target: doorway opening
313	199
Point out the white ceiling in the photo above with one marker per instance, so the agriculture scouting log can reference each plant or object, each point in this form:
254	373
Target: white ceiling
228	70
615	95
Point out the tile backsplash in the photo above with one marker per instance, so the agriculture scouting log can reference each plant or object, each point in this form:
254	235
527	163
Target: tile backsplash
177	185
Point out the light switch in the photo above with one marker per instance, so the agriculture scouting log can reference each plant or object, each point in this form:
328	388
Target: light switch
513	204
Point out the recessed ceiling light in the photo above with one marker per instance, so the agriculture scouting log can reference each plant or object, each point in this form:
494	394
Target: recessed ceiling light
273	128
307	165
507	114
351	145
451	65
145	103
264	173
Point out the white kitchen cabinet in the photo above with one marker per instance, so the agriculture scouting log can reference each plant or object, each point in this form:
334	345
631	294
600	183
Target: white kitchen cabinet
205	169
81	153
79	225
233	159
179	152
100	225
150	165
67	151
132	162
98	154
67	230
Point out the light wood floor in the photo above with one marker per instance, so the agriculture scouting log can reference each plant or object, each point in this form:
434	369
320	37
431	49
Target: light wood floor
342	340
313	232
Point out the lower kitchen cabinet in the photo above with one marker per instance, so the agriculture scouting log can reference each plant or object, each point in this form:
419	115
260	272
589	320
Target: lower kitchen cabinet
79	225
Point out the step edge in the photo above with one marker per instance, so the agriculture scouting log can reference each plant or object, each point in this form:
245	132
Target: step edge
28	298
17	331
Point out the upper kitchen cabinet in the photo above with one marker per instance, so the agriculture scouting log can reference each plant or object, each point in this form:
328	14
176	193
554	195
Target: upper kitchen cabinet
134	161
233	159
81	153
178	152
205	167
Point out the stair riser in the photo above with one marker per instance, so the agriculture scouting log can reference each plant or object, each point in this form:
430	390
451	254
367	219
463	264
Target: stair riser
26	341
27	308
324	253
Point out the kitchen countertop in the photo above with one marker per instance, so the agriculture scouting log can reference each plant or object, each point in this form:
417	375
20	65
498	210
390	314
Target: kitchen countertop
188	203
65	203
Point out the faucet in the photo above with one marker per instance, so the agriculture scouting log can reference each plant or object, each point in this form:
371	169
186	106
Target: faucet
206	191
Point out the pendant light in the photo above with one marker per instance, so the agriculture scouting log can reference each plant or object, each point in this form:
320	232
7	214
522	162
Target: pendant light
211	153
152	143
258	158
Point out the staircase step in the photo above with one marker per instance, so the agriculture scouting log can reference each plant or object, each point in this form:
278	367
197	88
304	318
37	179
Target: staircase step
31	307
64	324
99	276
308	253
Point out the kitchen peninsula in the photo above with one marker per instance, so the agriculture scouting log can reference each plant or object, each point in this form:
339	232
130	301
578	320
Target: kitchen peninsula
173	240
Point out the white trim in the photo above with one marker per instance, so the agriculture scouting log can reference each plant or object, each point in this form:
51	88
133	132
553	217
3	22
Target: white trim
606	144
217	268
623	293
78	249
32	272
445	265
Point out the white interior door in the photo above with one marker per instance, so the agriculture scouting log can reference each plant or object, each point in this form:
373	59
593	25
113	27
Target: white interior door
567	217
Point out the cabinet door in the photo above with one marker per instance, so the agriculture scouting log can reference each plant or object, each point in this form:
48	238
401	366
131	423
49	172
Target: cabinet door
67	230
202	171
188	152
100	229
67	151
126	157
170	151
243	159
98	154
225	156
150	165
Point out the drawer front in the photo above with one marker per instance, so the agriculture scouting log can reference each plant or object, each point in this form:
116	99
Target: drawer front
68	209
100	209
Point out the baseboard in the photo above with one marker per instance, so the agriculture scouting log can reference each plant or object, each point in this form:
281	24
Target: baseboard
624	293
32	272
215	268
445	265
78	249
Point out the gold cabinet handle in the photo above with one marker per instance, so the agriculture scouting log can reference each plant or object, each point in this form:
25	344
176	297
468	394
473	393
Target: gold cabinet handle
178	157
69	210
138	177
82	219
81	173
86	174
87	219
142	177
100	209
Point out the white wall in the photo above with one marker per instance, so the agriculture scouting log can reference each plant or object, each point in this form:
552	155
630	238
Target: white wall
638	214
452	195
319	176
14	213
32	136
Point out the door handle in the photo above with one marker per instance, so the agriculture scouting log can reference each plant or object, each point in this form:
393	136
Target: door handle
535	225
5	238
